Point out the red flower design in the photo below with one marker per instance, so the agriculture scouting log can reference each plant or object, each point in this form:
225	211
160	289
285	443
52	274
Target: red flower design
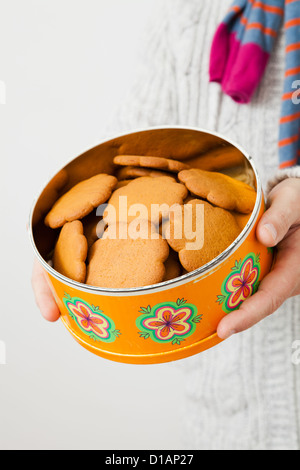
169	323
87	320
240	285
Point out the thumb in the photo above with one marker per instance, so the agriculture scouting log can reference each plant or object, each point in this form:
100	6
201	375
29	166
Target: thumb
282	214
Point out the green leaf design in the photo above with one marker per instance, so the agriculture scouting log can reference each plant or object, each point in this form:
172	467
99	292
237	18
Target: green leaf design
181	302
117	333
237	266
177	341
96	309
144	335
145	310
197	319
256	287
93	337
68	296
220	299
257	259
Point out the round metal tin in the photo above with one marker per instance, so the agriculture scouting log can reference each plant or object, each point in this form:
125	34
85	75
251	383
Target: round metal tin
125	325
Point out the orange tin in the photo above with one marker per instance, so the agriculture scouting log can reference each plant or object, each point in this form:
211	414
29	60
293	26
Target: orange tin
167	321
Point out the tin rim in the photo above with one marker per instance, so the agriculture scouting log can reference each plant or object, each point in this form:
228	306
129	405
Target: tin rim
173	282
152	358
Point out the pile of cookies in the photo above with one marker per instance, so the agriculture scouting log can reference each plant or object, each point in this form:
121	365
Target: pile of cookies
100	248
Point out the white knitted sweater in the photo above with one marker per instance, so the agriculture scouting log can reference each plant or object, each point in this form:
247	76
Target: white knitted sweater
244	393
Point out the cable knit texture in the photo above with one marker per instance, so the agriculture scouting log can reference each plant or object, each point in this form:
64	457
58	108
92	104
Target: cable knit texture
281	175
244	393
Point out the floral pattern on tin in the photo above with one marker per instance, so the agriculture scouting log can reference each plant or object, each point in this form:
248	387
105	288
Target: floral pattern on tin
91	320
168	322
241	283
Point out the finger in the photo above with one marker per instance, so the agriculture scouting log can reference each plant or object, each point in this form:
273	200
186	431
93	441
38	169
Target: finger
282	214
275	288
43	295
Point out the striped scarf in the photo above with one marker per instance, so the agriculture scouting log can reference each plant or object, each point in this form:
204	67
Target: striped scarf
240	52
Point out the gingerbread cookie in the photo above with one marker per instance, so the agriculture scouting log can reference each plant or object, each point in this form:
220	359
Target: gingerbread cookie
50	195
122	183
219	189
93	227
158	163
244	174
154	197
81	200
131	172
241	219
173	266
125	262
71	251
218	159
198	244
180	145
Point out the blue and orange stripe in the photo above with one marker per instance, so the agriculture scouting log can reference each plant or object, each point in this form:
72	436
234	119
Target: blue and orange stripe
289	133
258	22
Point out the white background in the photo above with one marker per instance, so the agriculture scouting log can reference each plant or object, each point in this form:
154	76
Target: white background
66	64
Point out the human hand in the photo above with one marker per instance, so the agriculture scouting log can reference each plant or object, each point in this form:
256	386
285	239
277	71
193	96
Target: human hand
43	295
279	226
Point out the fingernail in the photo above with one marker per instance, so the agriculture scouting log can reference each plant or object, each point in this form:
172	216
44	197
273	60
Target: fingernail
272	230
228	335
